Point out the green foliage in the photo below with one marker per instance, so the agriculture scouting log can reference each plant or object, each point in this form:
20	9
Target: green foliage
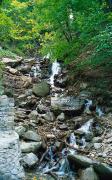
64	28
6	53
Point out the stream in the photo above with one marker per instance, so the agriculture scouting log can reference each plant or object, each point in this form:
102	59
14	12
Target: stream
65	124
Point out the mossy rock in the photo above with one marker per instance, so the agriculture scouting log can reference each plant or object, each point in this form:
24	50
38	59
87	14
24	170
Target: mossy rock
41	89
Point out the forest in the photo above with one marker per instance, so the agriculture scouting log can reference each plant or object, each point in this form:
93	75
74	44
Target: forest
65	29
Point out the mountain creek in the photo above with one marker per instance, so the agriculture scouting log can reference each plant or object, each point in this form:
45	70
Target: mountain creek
62	134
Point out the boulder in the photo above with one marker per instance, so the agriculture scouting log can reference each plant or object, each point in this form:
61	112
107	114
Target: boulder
30	160
12	70
104	170
97	145
25	69
42	108
33	136
97	139
33	115
79	160
41	89
70	106
27	147
12	62
49	116
61	117
20	130
89	174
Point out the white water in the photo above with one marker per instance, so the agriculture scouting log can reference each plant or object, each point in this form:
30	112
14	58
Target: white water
86	128
99	111
56	69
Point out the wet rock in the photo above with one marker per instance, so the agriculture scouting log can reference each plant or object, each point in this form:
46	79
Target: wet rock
30	160
79	132
79	160
33	136
41	89
89	136
20	130
89	174
42	108
97	145
27	147
61	117
97	140
33	115
49	116
63	127
12	62
104	170
58	144
60	81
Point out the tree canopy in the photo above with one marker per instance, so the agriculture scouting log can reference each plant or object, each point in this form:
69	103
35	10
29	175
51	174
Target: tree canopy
69	30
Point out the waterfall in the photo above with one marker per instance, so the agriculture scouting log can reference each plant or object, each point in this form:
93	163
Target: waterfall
55	70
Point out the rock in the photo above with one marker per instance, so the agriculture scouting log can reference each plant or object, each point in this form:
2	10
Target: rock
33	115
89	174
104	170
63	127
42	108
58	144
61	117
12	62
83	85
25	69
26	81
89	136
12	70
79	132
33	136
61	81
27	147
30	61
50	136
49	116
97	145
41	89
70	106
20	130
79	160
97	140
29	160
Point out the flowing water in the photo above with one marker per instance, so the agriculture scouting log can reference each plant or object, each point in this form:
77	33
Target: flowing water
53	163
56	69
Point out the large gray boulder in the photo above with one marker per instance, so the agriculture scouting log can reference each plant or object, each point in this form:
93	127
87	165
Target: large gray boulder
41	89
89	174
20	130
104	170
32	136
29	160
27	147
79	160
70	106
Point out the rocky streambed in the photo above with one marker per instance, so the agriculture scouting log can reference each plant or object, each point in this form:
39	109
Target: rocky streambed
62	136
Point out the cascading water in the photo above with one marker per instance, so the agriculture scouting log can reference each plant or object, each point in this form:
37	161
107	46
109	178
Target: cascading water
56	69
86	128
